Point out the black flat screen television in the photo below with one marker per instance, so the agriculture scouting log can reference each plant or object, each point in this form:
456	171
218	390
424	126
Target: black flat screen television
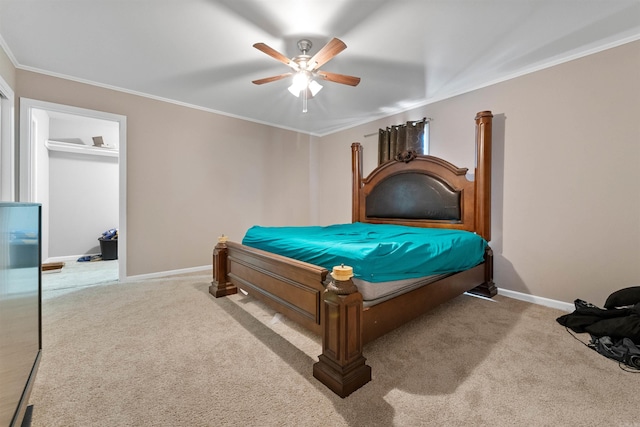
20	302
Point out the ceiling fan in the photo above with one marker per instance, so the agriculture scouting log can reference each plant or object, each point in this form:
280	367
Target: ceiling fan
305	68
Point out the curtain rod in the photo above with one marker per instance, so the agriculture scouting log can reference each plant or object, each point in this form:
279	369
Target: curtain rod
426	119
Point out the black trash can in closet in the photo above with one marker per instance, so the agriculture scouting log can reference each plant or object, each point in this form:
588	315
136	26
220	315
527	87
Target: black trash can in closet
109	248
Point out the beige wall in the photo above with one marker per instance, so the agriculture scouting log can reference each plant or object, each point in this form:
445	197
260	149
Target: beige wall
566	203
191	175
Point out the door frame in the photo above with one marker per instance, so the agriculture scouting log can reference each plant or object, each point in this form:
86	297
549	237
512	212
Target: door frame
7	155
28	166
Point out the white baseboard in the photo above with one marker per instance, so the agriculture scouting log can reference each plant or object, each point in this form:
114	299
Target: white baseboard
560	305
169	273
66	258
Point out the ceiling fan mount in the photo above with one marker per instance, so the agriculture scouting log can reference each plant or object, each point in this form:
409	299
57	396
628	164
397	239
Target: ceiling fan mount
304	45
303	58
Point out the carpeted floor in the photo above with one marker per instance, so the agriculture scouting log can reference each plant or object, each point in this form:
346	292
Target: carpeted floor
163	352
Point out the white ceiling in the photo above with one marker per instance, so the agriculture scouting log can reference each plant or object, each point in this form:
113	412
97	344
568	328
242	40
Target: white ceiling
408	53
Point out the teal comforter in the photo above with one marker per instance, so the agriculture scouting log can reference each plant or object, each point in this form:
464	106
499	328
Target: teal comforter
377	252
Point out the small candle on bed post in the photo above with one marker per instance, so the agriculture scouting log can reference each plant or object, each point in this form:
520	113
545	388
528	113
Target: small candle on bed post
341	366
342	283
220	286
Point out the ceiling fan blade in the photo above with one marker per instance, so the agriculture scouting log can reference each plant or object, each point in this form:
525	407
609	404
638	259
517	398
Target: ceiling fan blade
339	78
328	51
271	79
275	54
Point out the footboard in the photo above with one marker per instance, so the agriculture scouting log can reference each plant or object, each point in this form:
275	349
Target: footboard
291	287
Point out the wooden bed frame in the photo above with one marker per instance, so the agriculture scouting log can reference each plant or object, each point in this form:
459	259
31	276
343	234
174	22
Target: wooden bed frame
336	312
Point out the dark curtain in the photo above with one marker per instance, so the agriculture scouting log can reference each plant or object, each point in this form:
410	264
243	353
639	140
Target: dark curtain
405	137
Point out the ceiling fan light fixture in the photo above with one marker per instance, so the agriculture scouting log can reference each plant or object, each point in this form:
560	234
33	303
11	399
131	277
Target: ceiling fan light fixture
300	82
314	87
303	82
294	91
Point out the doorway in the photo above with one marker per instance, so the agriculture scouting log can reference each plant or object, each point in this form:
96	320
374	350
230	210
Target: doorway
84	158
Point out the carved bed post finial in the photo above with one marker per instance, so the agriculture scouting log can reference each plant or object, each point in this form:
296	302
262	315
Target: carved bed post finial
341	366
483	174
356	169
220	286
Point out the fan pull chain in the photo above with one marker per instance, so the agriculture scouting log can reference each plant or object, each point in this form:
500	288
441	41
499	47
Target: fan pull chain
304	100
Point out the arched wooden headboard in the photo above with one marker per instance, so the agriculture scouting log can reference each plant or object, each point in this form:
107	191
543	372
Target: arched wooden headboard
427	191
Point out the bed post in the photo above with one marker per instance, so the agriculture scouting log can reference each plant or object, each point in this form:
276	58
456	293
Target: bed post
341	366
488	287
483	174
483	197
356	169
220	286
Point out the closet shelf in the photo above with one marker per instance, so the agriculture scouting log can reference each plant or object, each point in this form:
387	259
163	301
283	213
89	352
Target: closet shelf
89	150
